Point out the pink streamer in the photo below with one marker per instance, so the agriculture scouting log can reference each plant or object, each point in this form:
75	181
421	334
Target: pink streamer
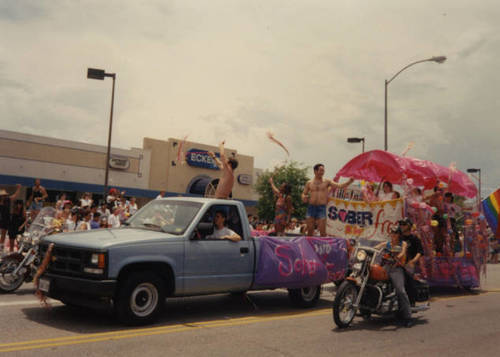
272	138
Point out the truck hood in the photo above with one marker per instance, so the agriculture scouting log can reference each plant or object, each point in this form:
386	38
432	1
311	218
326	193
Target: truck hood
105	238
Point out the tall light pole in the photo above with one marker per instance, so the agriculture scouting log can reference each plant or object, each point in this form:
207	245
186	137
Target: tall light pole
94	73
472	171
437	59
357	140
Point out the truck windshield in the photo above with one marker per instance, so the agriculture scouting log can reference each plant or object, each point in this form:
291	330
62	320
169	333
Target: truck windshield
169	216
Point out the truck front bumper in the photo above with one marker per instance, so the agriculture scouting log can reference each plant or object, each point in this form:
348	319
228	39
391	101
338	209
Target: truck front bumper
63	287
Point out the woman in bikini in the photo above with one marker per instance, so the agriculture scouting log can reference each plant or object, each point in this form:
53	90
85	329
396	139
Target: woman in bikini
284	207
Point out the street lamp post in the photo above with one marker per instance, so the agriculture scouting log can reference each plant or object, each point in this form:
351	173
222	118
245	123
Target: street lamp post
472	171
437	59
93	73
357	140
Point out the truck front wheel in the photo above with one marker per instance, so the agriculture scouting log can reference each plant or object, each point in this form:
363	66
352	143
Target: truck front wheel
305	297
140	298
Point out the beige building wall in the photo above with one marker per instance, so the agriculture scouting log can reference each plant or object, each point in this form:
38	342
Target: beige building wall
170	175
50	158
153	167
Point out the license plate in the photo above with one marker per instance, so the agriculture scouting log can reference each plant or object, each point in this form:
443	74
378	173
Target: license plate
44	285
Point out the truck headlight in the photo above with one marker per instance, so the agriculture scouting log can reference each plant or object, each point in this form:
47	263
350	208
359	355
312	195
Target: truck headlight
98	259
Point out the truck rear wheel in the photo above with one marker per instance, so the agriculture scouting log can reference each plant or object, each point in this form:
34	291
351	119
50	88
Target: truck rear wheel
305	297
140	298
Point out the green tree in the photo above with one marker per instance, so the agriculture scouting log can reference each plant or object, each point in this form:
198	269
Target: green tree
292	173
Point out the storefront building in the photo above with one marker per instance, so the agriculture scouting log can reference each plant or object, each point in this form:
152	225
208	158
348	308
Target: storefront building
74	168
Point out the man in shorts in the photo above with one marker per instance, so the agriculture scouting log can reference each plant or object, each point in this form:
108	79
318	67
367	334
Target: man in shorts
316	195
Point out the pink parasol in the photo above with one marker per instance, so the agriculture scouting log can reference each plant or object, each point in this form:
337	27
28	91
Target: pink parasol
378	165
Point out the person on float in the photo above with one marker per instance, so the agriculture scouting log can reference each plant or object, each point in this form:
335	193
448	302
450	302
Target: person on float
387	192
284	207
227	166
315	194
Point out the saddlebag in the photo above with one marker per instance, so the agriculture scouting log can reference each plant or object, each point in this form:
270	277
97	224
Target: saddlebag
421	291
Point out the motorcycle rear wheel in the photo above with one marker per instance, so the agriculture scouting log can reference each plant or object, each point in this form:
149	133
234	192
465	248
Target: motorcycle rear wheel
9	282
343	305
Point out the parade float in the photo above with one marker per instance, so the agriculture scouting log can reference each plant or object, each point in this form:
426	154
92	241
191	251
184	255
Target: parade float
453	236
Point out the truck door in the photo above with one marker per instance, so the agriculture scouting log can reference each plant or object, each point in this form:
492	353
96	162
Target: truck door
219	265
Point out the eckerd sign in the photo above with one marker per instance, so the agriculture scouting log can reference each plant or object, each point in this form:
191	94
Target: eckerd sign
200	158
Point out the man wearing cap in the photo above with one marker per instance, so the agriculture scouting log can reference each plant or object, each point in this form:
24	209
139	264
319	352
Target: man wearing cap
5	200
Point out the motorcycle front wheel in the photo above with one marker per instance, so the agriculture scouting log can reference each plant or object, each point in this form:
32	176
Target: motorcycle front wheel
8	281
343	305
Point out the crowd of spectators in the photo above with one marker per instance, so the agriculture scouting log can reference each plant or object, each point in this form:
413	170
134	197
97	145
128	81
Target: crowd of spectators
81	214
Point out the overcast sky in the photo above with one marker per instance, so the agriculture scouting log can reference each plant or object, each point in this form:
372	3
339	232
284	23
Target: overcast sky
310	71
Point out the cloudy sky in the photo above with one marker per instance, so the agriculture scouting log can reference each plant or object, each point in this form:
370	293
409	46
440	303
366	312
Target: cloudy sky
310	71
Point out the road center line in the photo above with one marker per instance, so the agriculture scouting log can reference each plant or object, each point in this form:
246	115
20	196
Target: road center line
125	334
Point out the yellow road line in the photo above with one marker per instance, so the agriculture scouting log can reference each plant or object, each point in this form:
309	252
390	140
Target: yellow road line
118	335
151	331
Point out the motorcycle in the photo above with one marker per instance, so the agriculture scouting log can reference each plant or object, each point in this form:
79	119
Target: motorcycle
21	266
368	289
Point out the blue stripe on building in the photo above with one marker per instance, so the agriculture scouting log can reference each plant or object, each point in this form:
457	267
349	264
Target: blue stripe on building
93	188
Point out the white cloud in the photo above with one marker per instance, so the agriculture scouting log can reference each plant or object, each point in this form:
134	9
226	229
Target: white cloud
311	71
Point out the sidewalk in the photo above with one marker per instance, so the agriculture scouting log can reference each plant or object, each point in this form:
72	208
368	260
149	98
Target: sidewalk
492	279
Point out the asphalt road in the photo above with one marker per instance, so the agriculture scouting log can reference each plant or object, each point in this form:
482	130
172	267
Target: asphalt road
458	324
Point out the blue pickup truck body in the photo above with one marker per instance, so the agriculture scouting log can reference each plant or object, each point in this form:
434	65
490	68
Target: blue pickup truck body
113	265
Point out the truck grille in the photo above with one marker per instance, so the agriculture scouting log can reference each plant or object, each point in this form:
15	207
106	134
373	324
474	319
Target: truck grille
67	261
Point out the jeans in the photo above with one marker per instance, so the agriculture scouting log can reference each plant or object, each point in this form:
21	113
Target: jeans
397	275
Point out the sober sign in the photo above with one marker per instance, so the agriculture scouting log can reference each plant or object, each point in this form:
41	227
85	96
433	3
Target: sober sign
357	219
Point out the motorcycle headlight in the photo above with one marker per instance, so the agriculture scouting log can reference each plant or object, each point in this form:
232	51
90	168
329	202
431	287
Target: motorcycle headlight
361	255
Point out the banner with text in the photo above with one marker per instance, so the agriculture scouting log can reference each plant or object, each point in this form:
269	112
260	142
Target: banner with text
300	262
358	219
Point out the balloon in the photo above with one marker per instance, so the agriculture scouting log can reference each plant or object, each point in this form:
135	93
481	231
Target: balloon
434	223
445	216
362	182
441	185
475	214
423	205
434	209
468	222
481	217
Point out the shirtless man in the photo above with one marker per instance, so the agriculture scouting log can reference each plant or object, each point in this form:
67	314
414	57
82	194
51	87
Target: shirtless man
316	194
227	167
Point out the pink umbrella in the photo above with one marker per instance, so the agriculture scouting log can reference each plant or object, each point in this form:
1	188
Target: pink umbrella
378	165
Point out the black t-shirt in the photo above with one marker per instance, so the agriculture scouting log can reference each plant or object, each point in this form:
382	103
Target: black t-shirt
4	211
414	246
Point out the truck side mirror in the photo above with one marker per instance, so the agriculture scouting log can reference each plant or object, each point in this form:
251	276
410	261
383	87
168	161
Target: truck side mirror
202	230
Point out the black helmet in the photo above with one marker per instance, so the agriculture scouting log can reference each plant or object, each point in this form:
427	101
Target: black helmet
405	221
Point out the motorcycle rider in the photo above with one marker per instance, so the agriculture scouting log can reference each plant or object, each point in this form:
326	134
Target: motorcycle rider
414	252
396	272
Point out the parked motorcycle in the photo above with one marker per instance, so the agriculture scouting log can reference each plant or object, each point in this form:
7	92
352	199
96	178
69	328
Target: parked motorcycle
368	289
21	266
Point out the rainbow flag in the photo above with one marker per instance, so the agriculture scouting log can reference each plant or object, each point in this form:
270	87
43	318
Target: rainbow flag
491	209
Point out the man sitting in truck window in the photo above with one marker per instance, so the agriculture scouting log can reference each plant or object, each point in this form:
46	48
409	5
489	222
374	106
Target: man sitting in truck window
221	231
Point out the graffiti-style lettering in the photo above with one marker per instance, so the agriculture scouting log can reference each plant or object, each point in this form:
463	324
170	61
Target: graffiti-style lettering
285	267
